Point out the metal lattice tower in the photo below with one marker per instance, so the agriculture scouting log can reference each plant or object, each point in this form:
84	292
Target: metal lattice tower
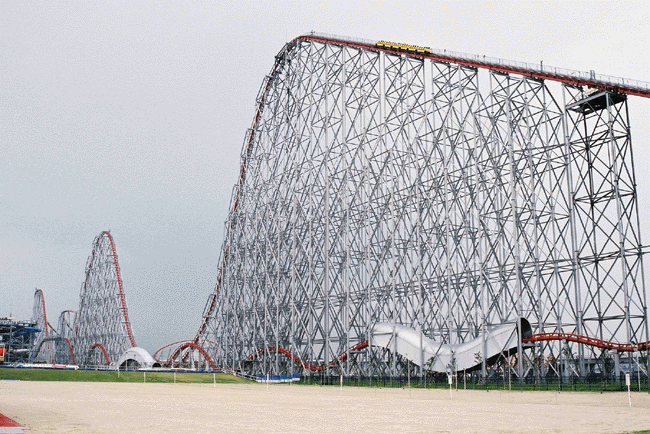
102	331
43	341
64	351
429	190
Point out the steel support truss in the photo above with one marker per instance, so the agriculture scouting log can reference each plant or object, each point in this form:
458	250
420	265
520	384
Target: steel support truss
44	349
387	187
101	328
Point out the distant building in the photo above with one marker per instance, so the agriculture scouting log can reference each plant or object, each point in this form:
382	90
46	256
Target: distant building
17	338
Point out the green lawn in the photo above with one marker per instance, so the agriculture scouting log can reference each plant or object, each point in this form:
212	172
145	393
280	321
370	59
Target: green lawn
492	385
112	376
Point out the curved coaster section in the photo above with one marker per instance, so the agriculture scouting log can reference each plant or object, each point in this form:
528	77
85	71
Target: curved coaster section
305	364
183	355
440	357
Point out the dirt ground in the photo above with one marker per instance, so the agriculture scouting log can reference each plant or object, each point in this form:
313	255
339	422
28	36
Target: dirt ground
53	407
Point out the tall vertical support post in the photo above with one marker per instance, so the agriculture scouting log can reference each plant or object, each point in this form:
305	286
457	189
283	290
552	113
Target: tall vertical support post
611	289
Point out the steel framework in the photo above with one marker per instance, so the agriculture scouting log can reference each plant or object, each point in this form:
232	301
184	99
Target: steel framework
425	189
64	351
101	330
44	349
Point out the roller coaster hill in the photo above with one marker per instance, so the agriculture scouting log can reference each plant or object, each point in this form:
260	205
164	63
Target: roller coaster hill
98	334
402	211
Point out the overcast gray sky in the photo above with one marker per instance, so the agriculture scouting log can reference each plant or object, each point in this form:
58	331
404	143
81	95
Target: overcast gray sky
130	116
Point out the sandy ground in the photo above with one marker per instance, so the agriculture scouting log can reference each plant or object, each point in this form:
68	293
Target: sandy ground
53	407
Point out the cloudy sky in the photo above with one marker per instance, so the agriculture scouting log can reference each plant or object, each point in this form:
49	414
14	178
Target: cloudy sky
130	116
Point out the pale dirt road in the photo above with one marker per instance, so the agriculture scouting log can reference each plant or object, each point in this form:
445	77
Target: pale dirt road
53	407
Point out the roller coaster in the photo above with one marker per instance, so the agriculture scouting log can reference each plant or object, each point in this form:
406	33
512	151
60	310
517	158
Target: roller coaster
402	210
99	332
441	194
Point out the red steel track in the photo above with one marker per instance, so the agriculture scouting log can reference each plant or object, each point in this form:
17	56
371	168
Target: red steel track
581	339
155	355
240	182
306	365
181	347
571	337
67	341
575	81
101	347
127	324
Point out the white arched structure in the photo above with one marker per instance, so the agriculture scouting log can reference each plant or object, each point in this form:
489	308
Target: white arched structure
438	357
138	355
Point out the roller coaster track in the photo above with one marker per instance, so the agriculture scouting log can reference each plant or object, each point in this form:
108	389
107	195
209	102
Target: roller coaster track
235	203
127	324
45	322
594	342
570	77
181	346
54	339
39	317
572	337
161	349
102	317
307	365
575	78
103	350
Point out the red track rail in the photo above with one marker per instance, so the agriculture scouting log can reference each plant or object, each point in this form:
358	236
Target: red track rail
306	365
155	355
67	341
74	362
119	283
240	182
485	65
104	352
594	342
581	339
189	344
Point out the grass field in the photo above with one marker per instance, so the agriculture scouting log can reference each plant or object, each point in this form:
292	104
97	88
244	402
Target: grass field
569	386
198	377
113	376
